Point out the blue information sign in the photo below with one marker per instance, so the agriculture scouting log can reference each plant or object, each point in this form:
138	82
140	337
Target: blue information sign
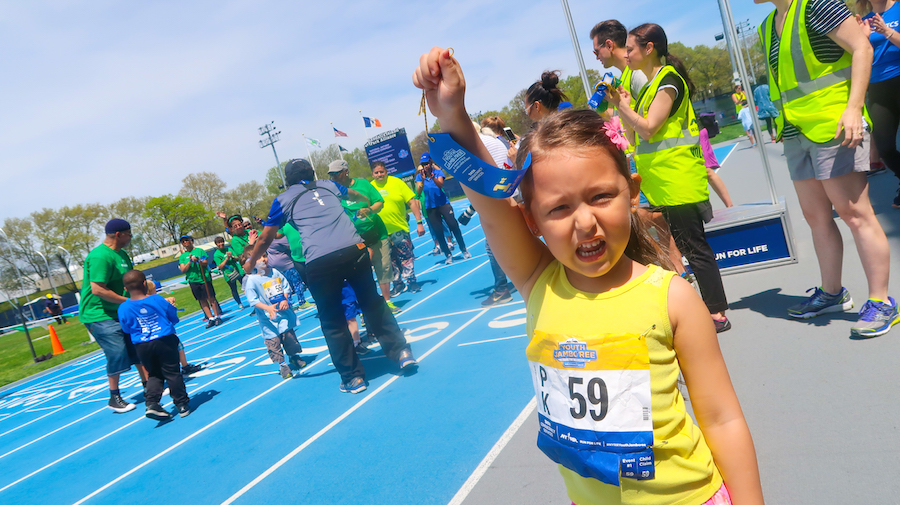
749	243
392	148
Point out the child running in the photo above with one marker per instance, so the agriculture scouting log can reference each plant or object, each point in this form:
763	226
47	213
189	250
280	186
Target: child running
606	382
150	320
268	291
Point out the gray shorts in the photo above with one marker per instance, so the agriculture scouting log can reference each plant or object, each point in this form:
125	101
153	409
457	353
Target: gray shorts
116	345
809	160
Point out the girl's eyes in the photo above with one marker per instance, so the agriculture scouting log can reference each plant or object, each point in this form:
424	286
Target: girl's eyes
603	198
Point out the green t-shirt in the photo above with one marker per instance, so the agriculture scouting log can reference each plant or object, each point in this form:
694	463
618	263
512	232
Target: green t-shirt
106	266
371	221
238	244
219	257
294	241
396	194
193	275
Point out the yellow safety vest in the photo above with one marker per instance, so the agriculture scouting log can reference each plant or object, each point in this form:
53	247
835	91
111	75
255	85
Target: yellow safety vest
811	95
626	85
671	162
742	97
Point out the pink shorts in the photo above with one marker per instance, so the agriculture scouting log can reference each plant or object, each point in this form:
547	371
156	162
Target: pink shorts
720	498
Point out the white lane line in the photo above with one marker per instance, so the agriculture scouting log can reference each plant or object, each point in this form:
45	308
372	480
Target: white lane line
186	439
467	245
95	400
441	265
76	451
461	277
340	418
240	352
490	340
495	451
42	408
409	321
254	375
733	149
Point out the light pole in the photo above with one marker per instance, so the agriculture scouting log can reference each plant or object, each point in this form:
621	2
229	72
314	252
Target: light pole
49	273
13	261
68	270
271	137
16	300
578	58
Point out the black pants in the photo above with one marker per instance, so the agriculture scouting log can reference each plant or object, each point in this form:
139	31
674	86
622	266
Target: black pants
686	225
326	277
233	283
501	283
445	213
884	108
160	358
301	269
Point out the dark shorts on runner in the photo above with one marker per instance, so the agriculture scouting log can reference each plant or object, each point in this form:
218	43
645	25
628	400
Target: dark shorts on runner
199	291
116	345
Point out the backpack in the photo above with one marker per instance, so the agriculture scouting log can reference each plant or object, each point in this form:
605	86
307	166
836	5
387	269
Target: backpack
708	120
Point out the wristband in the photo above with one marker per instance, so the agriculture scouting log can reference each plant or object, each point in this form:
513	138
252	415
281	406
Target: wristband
420	222
476	174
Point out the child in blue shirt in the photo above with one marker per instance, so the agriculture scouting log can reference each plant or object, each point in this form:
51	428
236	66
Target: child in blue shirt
150	320
268	290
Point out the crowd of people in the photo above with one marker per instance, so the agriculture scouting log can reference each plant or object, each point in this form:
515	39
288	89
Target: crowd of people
573	239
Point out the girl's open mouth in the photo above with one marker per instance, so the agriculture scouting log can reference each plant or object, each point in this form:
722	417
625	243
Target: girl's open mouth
591	251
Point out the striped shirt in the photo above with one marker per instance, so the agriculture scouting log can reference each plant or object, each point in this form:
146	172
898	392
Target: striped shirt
822	16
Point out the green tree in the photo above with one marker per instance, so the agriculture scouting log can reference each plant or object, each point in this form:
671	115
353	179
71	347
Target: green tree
574	90
248	199
146	237
207	189
273	183
177	215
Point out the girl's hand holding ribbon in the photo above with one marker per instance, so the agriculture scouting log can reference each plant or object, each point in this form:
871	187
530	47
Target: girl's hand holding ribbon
440	75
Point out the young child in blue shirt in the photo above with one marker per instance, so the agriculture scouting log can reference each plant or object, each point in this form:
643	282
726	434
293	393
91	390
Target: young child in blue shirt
150	321
268	291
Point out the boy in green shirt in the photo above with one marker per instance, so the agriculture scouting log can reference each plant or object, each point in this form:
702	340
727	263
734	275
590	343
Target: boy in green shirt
227	263
193	263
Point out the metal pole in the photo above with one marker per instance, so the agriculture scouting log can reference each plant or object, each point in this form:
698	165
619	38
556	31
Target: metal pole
68	270
268	130
13	261
577	47
747	50
729	44
309	155
365	128
725	8
49	273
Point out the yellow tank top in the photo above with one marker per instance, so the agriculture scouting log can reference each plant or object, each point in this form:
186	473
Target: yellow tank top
606	384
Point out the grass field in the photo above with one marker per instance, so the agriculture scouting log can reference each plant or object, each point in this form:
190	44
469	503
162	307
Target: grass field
727	133
15	357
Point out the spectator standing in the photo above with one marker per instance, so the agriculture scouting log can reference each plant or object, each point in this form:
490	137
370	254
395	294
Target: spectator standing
54	308
228	264
194	264
767	110
430	182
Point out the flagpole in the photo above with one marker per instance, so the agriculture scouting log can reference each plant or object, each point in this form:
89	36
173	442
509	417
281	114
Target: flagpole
365	129
339	146
309	155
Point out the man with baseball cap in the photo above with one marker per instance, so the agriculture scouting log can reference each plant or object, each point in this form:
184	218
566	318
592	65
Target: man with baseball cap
430	182
334	253
193	263
241	238
102	292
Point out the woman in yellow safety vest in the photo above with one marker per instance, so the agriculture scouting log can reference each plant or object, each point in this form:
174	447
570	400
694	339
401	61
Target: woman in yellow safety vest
739	98
819	61
661	124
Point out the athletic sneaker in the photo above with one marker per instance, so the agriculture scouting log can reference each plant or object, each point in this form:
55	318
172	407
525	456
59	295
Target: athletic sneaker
723	325
183	410
398	288
156	412
821	302
436	251
297	362
876	318
306	305
451	245
356	385
467	255
497	298
189	369
240	307
394	309
449	260
414	287
118	404
286	371
210	323
361	348
407	362
219	321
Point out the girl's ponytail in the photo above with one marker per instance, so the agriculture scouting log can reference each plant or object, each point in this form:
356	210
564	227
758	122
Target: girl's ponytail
652	32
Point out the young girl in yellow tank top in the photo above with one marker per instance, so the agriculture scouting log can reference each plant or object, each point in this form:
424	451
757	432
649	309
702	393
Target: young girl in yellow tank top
610	330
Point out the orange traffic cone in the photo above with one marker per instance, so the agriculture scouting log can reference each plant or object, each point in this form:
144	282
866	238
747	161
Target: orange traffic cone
54	340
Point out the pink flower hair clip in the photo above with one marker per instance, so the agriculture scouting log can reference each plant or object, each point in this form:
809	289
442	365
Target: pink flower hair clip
616	133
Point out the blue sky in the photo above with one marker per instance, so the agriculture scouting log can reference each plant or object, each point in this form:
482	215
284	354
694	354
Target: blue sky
106	99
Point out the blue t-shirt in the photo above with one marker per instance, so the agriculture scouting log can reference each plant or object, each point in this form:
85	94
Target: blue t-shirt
148	319
270	289
886	64
434	196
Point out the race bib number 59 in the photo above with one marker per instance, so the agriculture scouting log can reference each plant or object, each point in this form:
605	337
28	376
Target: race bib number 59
593	396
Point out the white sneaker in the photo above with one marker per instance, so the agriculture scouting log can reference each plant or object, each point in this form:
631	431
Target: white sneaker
449	260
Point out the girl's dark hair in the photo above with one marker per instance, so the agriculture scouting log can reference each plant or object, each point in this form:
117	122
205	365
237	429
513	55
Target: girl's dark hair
219	240
581	130
611	29
652	32
546	92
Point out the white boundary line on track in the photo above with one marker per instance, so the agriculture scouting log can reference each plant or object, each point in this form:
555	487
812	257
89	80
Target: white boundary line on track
733	149
490	340
43	408
189	437
76	451
429	253
495	451
340	418
254	375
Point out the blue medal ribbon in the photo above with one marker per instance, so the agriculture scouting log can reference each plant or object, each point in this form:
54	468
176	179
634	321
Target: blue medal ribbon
471	171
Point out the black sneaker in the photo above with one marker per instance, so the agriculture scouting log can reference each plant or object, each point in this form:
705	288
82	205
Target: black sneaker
361	349
399	287
219	321
414	287
189	369
497	298
117	404
210	324
286	372
184	410
156	412
356	385
407	362
723	325
297	362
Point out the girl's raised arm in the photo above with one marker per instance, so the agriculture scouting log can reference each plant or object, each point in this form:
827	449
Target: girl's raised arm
520	253
715	403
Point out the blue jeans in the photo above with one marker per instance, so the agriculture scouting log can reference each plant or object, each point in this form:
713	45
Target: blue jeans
116	345
293	276
501	283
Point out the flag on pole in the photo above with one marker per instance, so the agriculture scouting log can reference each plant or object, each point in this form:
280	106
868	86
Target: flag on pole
338	133
313	142
342	148
370	122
